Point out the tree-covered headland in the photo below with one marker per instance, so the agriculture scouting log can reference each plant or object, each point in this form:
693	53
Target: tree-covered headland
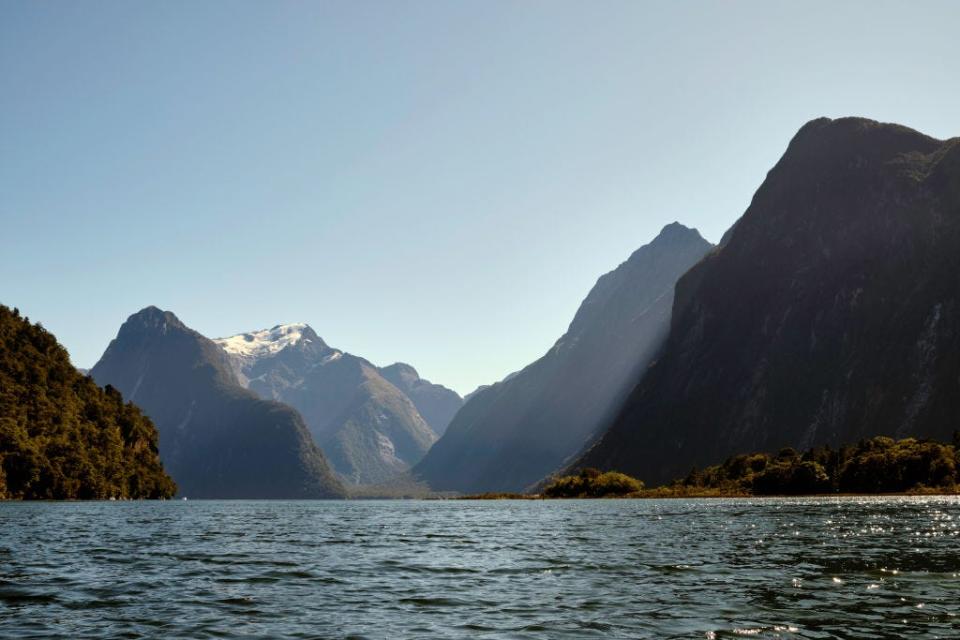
62	436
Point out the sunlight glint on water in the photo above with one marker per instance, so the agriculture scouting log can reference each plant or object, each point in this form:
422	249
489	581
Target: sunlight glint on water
813	568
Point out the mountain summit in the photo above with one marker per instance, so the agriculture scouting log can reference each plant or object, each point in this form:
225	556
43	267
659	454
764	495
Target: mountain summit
368	427
515	432
831	311
217	439
435	402
257	344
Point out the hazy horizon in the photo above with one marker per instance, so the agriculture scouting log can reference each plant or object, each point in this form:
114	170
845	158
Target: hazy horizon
434	183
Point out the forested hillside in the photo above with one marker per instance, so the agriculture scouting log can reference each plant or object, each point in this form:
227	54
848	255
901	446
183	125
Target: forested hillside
62	436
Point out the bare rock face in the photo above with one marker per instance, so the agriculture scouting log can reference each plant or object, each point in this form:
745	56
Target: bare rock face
511	434
830	312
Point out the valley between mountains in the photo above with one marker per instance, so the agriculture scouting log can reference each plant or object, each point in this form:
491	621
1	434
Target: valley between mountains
828	314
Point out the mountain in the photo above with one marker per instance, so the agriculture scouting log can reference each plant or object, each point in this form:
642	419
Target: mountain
369	429
217	439
513	433
435	402
480	388
487	386
61	436
830	313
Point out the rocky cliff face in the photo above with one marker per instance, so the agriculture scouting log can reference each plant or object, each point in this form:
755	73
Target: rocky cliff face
217	439
831	311
511	434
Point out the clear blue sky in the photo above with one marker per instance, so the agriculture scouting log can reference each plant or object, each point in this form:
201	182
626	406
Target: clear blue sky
434	182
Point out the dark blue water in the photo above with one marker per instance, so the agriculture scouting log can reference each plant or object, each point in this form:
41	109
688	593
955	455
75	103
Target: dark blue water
808	568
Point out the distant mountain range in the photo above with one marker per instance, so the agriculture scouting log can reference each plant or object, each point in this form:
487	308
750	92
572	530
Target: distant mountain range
217	439
830	313
367	420
513	433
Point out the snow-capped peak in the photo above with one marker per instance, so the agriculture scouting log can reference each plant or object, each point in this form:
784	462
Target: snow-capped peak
264	342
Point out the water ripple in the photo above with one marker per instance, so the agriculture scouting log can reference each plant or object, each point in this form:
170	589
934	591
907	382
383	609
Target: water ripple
791	568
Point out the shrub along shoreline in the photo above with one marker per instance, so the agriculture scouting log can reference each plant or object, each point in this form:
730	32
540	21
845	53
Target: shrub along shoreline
874	466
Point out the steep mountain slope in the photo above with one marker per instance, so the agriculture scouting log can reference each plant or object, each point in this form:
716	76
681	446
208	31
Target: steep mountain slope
435	402
217	439
368	428
62	436
513	433
487	386
830	313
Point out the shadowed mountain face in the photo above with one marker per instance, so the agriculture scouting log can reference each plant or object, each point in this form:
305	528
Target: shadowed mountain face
513	433
369	429
217	439
831	312
436	403
487	386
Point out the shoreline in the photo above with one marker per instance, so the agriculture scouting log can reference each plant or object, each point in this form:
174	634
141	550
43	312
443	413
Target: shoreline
646	495
721	496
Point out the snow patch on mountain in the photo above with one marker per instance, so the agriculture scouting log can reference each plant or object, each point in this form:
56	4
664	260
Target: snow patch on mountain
265	342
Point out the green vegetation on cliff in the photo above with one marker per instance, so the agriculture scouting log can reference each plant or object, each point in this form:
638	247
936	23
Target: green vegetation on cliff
62	436
874	465
829	312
